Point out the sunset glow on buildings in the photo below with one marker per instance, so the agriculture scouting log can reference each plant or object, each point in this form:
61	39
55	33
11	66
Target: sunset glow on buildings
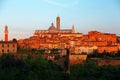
7	46
78	43
59	39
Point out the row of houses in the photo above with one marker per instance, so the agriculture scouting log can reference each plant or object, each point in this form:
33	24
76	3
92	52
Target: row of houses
55	37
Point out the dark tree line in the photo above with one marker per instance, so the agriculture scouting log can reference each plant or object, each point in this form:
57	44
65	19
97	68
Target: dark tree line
90	71
29	69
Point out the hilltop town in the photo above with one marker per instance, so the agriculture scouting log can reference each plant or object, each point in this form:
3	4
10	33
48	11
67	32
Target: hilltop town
59	39
55	37
63	51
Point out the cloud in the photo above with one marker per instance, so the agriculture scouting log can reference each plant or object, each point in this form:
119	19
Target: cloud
60	4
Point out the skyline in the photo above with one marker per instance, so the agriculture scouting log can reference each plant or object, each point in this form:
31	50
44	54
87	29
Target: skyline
24	17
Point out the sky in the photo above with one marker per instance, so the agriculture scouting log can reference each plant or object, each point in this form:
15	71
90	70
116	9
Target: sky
23	17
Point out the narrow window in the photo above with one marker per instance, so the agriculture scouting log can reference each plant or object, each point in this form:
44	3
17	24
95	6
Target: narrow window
8	45
8	50
2	50
2	45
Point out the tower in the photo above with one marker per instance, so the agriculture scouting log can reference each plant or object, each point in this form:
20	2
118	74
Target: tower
6	33
58	23
73	30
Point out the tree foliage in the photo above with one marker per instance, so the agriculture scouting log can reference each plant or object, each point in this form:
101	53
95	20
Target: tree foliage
29	69
90	71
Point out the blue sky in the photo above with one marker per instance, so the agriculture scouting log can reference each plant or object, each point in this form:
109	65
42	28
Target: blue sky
23	17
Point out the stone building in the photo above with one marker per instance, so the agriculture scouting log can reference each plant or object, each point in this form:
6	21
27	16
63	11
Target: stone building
53	29
55	37
8	46
103	41
77	58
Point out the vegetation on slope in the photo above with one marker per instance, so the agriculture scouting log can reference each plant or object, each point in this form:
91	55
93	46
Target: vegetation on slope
91	71
29	69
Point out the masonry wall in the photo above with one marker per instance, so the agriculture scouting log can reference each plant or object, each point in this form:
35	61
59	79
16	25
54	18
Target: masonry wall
108	49
8	48
77	58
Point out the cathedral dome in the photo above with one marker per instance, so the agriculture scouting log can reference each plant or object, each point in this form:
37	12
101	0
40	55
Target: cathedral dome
52	27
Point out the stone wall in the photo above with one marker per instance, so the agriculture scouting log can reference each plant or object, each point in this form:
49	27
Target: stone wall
108	49
77	58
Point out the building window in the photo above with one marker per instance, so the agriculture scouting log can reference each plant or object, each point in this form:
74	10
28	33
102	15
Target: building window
2	50
8	45
2	45
8	50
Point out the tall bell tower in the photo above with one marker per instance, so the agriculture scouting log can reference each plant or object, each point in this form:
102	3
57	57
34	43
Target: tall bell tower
6	33
73	29
58	23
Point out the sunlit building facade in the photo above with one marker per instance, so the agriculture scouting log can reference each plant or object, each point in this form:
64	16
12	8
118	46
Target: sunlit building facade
54	37
7	46
78	43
